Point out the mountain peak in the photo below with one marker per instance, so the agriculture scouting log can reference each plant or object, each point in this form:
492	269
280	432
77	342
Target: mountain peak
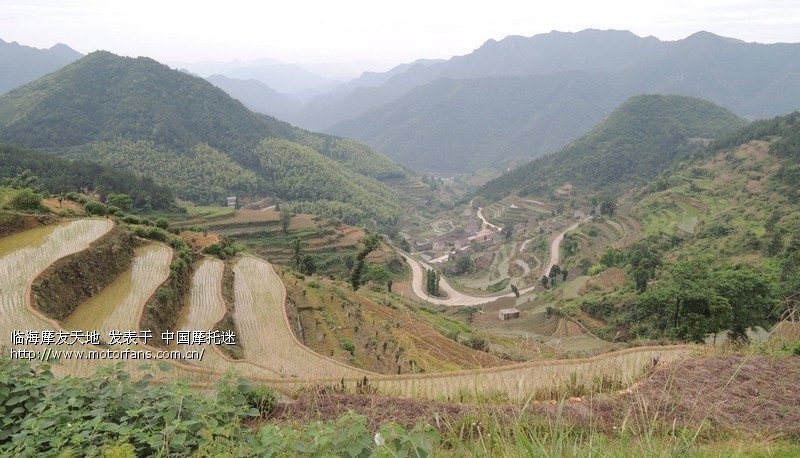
708	37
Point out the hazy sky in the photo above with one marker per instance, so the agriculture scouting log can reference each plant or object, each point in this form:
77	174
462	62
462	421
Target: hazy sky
305	31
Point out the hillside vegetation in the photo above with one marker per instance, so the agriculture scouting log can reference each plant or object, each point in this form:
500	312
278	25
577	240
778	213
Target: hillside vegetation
639	140
43	172
143	117
719	246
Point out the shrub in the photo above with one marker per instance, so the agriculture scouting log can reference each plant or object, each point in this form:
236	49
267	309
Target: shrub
95	208
477	343
263	399
348	345
26	200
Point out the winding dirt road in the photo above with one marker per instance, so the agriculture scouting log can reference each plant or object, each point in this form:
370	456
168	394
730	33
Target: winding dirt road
554	246
457	298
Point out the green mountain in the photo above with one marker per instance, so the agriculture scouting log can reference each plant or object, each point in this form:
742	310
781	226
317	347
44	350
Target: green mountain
638	140
505	98
142	116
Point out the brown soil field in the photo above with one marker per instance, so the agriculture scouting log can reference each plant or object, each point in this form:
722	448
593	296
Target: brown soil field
613	277
198	241
53	204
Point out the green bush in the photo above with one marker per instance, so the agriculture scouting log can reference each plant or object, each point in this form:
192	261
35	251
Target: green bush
95	208
263	399
110	414
26	200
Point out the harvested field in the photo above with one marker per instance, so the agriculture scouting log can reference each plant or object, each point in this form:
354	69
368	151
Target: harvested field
203	310
611	278
198	240
752	397
519	381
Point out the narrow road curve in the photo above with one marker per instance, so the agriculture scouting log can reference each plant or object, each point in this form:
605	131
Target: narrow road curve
454	297
554	246
457	298
484	223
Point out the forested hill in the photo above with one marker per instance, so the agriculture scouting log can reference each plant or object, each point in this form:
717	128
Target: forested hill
144	117
640	139
43	172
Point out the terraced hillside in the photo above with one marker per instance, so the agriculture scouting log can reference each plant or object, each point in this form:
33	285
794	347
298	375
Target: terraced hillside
272	353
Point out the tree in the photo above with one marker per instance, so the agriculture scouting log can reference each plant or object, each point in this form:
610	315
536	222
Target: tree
285	219
432	282
308	266
564	274
25	179
608	205
569	245
463	265
297	254
515	290
554	272
683	305
544	281
123	201
508	231
371	242
750	294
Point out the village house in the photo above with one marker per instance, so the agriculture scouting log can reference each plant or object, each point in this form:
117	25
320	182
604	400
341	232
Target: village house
508	314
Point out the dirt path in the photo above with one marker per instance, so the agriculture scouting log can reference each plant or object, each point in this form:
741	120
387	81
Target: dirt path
556	244
486	224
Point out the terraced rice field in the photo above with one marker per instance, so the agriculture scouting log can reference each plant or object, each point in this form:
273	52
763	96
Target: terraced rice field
204	309
264	329
520	381
273	355
118	307
23	256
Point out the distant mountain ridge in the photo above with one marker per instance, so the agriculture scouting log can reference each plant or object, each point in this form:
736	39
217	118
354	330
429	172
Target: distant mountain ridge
753	80
144	117
257	96
22	64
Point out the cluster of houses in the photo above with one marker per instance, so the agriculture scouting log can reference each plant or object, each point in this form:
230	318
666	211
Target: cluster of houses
456	244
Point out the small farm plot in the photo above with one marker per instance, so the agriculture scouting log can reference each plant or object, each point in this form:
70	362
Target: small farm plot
118	307
264	329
